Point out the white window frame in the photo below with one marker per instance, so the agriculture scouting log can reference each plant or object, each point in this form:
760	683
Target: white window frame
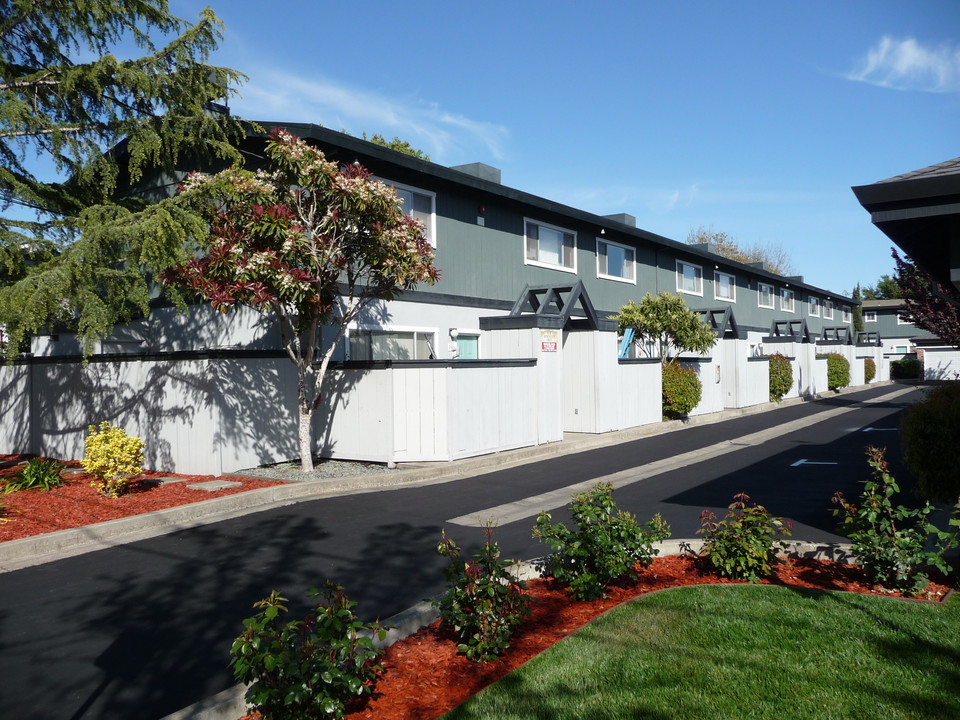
813	306
430	231
432	331
828	310
540	263
902	321
772	289
733	286
846	314
699	272
632	262
869	316
792	305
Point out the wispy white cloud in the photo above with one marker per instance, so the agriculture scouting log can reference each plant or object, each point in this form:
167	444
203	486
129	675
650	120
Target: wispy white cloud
446	136
909	65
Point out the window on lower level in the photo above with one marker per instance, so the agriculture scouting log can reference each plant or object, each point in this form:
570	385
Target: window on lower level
550	246
787	300
392	345
764	295
615	262
689	278
724	286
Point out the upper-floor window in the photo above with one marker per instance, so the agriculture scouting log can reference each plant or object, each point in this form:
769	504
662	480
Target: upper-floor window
764	295
724	287
814	305
869	315
828	310
550	246
847	317
786	300
689	278
420	205
615	262
902	320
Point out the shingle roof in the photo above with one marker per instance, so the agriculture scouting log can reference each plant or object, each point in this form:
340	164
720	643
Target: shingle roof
948	167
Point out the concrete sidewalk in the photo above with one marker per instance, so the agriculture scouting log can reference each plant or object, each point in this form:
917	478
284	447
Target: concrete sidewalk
31	551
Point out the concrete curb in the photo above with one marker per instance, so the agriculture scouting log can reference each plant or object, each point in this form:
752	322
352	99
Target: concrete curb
229	704
39	549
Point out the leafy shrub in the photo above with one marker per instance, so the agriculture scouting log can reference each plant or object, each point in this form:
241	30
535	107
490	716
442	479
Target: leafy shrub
484	602
781	376
306	668
906	369
930	431
39	473
112	457
744	545
838	371
890	542
869	370
681	390
608	544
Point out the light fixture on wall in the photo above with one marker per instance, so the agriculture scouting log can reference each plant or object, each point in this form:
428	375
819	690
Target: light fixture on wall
454	333
602	231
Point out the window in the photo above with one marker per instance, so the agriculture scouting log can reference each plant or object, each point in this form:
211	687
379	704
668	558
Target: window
764	295
550	246
420	205
391	345
814	306
847	317
901	320
786	300
689	278
724	287
615	262
828	310
869	315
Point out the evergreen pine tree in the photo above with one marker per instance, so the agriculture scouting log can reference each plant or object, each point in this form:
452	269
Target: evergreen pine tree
84	130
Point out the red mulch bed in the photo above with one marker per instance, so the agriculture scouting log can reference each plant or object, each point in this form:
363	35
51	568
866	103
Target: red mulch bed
77	502
424	675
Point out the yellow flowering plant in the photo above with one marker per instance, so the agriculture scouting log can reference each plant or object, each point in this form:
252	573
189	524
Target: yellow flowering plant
112	457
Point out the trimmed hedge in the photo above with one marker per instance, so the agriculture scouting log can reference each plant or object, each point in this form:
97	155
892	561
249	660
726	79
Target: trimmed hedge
781	376
930	431
681	390
838	371
906	369
869	370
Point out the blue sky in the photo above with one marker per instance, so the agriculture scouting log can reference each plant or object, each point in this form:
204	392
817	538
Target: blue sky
751	118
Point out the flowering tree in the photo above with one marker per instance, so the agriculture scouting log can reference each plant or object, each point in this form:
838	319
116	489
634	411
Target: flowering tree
929	305
309	242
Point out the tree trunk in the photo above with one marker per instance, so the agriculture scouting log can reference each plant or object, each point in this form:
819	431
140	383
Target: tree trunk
306	437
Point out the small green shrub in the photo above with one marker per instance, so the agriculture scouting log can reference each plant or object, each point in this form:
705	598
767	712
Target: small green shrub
838	371
485	601
608	544
781	376
906	369
744	545
869	370
112	457
891	542
306	668
681	390
930	433
37	474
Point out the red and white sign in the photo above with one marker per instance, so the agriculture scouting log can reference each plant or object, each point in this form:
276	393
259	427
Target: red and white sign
549	339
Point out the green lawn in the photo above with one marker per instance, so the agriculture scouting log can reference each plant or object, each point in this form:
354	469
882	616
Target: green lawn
744	651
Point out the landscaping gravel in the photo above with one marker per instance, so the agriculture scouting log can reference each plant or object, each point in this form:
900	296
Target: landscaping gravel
291	472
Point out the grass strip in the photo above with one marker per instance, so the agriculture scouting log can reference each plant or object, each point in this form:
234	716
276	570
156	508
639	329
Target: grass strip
742	651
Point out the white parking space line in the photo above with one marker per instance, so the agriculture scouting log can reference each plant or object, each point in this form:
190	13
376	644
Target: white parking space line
555	499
